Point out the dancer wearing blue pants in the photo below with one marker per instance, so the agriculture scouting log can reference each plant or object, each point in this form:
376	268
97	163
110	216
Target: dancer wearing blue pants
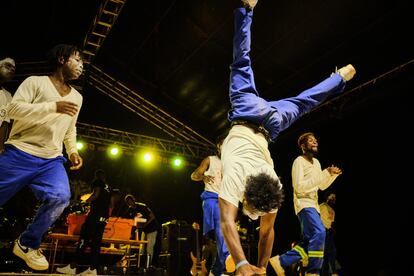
210	171
45	110
248	173
307	179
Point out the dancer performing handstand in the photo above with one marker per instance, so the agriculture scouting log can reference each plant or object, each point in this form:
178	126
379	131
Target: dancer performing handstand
248	173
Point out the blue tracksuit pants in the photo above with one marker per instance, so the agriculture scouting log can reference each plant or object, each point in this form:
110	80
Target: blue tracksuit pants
246	103
211	222
312	244
49	182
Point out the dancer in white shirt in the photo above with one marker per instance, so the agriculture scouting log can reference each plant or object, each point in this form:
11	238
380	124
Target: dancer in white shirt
45	110
307	179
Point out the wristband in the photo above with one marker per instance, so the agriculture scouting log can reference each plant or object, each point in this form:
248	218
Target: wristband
241	263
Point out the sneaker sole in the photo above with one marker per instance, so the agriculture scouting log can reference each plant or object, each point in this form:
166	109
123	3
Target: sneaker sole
65	272
22	256
276	268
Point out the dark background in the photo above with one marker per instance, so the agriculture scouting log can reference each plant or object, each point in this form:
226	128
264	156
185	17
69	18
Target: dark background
177	53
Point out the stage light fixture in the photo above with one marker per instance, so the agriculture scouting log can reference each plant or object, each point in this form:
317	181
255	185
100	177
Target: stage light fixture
177	162
80	145
114	151
147	157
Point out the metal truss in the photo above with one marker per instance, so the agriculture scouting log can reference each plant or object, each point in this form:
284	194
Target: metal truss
107	14
130	142
143	108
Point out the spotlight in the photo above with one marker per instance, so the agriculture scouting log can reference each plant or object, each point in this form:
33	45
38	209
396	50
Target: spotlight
177	162
147	157
114	151
80	145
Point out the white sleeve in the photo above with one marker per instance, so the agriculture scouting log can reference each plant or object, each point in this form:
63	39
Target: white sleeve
70	136
22	106
312	182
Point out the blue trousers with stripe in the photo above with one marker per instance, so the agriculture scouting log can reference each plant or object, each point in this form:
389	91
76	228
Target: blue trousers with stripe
312	244
49	182
246	103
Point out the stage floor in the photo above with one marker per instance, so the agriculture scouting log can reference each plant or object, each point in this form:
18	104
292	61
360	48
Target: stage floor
45	274
35	274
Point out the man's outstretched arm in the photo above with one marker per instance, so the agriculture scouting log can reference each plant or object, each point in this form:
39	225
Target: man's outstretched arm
266	239
228	215
198	174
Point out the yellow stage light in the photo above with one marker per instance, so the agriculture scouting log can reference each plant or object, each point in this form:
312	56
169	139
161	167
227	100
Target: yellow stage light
147	157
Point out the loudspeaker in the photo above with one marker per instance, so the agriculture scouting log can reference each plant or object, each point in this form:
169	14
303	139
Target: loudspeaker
176	237
175	265
176	244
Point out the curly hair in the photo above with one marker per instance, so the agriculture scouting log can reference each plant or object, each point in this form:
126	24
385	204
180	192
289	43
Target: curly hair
263	192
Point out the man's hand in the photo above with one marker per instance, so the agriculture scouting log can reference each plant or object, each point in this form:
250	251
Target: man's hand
198	174
76	161
68	108
208	178
249	270
334	170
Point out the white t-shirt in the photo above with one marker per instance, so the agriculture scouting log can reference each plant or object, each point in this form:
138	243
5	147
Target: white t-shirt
5	99
214	170
37	128
243	154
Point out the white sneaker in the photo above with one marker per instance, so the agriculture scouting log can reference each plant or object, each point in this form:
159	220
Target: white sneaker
250	3
33	257
66	270
275	262
89	272
347	72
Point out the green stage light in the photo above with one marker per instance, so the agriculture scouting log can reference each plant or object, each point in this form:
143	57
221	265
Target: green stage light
177	162
80	145
114	151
